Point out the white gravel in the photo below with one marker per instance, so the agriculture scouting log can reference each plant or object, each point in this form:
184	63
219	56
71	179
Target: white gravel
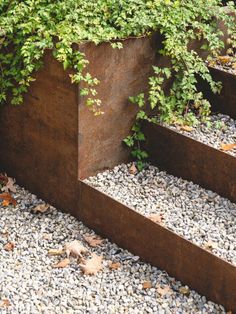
196	214
31	285
221	131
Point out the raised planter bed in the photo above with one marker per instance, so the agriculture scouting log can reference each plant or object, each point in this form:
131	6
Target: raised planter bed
200	269
53	139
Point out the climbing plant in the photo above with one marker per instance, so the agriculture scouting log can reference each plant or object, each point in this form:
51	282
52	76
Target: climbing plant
31	27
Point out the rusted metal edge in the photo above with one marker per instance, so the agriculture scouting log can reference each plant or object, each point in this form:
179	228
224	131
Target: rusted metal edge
225	102
192	160
193	265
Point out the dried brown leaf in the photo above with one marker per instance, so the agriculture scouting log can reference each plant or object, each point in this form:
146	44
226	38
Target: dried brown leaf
3	179
133	169
92	266
93	240
7	199
55	252
9	246
5	233
114	265
157	218
9	187
5	303
62	264
224	59
184	290
227	147
42	208
147	285
164	290
186	128
47	236
75	248
210	245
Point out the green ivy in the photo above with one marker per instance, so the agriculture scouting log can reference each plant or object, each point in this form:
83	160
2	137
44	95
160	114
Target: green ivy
31	27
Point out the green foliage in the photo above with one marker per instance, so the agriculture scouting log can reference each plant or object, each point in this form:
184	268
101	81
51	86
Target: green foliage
29	28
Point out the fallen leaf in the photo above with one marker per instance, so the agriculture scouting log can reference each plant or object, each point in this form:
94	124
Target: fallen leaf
224	59
47	236
92	266
210	245
227	147
114	265
147	285
9	187
164	291
5	303
4	233
75	248
7	199
186	128
9	246
184	290
54	252
157	218
234	65
3	178
229	312
62	264
93	240
133	169
42	208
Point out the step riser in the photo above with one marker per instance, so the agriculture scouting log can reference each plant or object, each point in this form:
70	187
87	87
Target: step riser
225	102
201	270
192	160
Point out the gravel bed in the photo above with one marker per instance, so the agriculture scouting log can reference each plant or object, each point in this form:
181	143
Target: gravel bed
30	284
225	69
221	131
197	214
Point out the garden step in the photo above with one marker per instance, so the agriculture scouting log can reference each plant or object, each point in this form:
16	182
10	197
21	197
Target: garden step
182	155
38	286
224	102
185	239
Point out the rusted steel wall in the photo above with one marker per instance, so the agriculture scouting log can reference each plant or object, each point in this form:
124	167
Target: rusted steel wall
224	102
53	138
185	157
38	140
194	266
122	73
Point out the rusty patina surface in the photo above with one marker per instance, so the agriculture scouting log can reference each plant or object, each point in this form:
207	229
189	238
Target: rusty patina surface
194	266
122	73
38	140
52	139
224	102
190	159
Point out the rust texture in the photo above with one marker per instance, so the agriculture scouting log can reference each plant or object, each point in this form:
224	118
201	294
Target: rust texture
194	266
52	138
187	158
38	139
122	73
224	102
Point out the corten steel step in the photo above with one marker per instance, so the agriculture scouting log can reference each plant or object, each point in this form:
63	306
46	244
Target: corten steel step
192	160
193	265
225	102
